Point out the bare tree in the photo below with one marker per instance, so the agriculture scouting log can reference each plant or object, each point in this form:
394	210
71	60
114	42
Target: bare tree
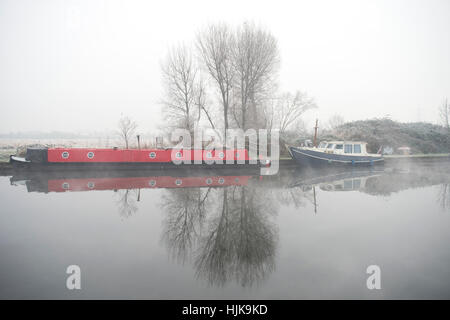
241	65
286	111
126	129
184	97
255	61
335	121
202	105
215	45
444	113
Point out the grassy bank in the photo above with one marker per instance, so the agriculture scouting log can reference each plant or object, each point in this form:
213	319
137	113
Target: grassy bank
420	137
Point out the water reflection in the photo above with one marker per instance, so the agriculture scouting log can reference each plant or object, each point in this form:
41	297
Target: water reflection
122	180
444	196
227	233
375	182
185	214
240	239
127	202
223	223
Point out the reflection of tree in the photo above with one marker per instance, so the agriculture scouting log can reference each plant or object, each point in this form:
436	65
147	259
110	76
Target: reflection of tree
215	253
444	196
127	203
255	239
240	242
236	240
297	196
186	209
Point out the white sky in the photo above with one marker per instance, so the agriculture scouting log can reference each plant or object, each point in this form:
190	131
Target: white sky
77	65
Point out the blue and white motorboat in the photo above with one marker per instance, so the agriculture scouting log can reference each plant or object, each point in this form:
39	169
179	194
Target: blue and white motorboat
335	153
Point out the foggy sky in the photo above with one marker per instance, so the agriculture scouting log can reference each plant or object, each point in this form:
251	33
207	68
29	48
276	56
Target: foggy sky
77	65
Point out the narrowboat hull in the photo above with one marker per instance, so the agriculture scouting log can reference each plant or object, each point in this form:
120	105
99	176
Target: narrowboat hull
311	158
132	166
82	159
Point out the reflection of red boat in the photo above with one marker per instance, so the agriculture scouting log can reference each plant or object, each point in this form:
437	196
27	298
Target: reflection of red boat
78	181
61	185
83	158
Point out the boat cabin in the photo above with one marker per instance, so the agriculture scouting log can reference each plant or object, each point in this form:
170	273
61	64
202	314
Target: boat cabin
344	147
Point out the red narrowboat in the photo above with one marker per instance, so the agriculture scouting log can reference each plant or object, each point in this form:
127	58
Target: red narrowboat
95	158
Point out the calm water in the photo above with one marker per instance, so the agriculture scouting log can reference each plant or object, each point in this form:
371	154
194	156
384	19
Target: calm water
291	236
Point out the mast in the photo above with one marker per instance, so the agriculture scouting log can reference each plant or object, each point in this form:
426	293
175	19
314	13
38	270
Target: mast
315	133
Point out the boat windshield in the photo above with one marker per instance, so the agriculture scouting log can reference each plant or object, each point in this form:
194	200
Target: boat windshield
322	145
330	146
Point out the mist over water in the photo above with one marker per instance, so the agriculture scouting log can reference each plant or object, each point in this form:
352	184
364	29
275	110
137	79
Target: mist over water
217	234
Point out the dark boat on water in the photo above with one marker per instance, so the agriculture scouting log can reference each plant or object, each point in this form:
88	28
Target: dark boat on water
335	153
131	159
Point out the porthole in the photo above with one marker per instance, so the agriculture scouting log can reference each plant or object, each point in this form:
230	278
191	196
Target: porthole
178	182
152	155
236	180
152	183
208	181
209	155
91	185
65	186
221	155
65	155
90	155
221	180
178	155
